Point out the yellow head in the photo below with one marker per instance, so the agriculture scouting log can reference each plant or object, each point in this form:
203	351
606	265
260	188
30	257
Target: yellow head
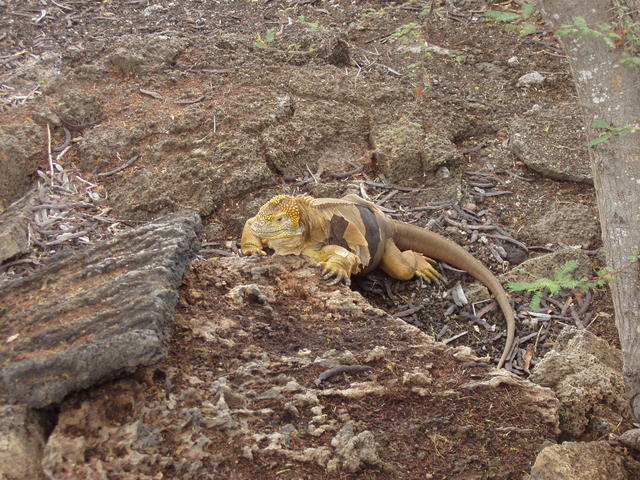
278	218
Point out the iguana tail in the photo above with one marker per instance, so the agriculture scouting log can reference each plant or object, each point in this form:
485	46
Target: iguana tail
411	237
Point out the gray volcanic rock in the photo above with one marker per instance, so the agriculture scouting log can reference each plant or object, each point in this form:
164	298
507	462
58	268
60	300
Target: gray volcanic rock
94	314
585	372
537	138
14	227
22	441
20	154
582	461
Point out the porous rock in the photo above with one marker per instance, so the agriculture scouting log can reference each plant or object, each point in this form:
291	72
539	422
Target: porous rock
585	373
237	397
78	107
405	151
100	144
21	150
21	443
537	137
532	78
572	224
94	314
201	180
580	461
147	53
14	227
317	133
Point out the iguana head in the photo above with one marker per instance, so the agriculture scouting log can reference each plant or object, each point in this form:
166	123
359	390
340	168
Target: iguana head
278	218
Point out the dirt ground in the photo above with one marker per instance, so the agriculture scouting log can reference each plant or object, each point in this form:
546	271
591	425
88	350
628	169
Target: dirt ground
220	105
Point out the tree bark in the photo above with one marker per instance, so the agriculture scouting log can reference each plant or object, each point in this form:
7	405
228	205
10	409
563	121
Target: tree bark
610	92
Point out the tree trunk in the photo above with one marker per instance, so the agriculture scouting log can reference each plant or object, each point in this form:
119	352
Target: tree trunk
610	92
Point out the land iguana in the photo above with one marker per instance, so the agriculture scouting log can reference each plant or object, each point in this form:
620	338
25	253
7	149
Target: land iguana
351	236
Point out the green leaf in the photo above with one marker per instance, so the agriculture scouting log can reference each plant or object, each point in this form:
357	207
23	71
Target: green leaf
502	16
566	30
610	43
518	286
259	44
527	29
580	22
596	141
597	123
527	10
535	301
566	268
270	36
628	60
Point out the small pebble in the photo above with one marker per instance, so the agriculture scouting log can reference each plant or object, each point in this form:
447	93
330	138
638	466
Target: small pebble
532	78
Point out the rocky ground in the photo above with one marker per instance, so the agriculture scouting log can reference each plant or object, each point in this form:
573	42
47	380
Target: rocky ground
117	113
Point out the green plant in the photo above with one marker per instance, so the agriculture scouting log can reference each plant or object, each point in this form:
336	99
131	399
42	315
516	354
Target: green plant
313	26
372	12
562	279
269	37
425	10
580	27
608	131
405	30
518	19
622	33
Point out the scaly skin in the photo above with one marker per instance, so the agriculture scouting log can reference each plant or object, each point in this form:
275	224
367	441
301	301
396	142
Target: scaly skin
351	236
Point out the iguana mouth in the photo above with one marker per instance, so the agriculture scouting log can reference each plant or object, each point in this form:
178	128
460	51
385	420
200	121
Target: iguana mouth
260	231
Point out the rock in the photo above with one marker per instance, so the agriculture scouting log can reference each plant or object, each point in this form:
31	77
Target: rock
490	69
335	51
22	440
571	224
20	154
630	439
99	146
94	314
585	373
353	452
251	330
78	107
191	181
45	115
406	152
446	52
580	461
145	53
319	133
528	79
537	139
14	227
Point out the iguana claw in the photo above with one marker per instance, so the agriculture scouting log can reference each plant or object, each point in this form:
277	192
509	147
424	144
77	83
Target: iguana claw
333	274
426	271
249	249
430	274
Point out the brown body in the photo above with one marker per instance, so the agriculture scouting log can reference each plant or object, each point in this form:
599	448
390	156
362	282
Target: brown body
349	236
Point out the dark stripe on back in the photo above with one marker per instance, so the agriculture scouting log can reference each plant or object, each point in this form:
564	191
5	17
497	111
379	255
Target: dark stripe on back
337	227
372	229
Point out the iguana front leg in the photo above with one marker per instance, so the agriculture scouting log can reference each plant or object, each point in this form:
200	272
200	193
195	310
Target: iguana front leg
249	243
335	261
408	264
